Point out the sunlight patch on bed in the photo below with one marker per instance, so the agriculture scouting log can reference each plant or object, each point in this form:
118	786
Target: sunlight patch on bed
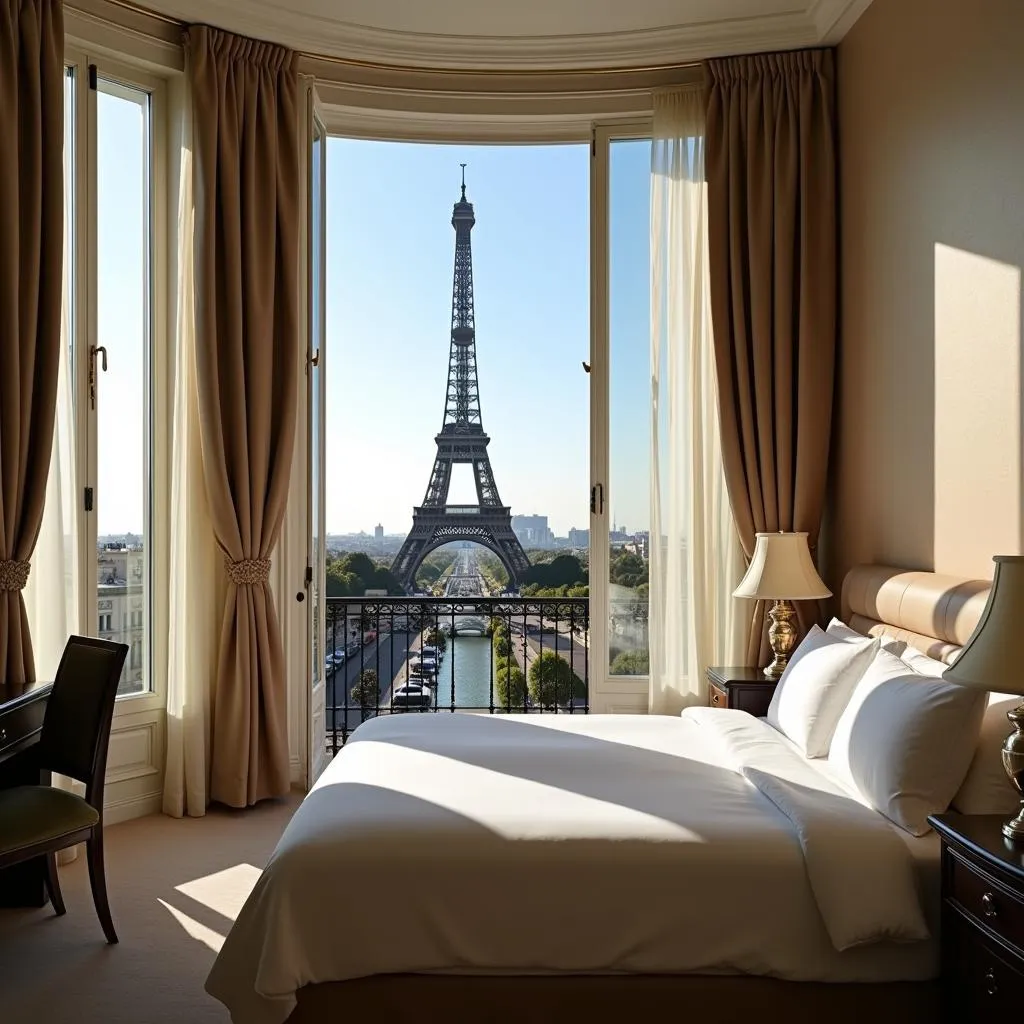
508	804
224	891
194	928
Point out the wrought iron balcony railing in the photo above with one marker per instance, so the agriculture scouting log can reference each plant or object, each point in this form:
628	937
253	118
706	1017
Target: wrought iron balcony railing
483	655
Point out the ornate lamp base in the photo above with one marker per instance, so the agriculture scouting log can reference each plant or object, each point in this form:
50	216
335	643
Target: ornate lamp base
782	639
1013	762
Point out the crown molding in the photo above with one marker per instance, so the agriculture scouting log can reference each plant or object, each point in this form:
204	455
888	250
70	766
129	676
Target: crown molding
646	48
834	18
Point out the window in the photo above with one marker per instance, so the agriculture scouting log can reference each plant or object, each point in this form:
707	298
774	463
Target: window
629	404
116	334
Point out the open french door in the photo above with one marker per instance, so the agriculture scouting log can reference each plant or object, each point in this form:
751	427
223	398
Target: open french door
317	755
620	413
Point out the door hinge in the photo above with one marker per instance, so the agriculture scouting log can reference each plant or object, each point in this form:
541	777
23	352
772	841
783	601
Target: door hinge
87	499
593	142
309	575
92	77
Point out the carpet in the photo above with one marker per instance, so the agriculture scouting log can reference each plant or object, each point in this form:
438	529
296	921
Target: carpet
175	886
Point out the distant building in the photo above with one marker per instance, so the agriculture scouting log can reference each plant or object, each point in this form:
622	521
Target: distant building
579	539
121	606
640	544
533	531
378	533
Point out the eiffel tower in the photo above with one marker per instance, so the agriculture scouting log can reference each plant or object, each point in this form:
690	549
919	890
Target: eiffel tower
461	440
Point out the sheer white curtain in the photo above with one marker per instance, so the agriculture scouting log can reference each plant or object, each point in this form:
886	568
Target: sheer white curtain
696	559
196	585
51	594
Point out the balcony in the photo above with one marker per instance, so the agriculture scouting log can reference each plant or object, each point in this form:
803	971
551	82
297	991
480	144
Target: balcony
477	655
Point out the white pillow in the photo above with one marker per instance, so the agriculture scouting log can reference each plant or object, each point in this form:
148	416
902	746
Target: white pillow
905	741
842	631
815	687
920	662
987	788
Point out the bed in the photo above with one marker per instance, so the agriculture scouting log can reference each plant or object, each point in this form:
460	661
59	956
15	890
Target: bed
461	867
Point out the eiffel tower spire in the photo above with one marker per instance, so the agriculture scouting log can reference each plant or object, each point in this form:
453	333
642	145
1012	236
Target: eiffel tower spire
462	403
461	439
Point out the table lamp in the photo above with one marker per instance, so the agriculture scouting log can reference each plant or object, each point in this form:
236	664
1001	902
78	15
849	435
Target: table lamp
781	570
993	659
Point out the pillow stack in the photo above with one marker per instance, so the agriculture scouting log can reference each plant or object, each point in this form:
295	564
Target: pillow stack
905	740
815	687
902	738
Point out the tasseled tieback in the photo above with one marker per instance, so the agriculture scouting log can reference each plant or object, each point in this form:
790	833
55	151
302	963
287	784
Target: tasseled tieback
248	572
13	574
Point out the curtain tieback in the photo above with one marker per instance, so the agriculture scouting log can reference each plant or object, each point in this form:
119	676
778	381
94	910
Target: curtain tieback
246	572
13	574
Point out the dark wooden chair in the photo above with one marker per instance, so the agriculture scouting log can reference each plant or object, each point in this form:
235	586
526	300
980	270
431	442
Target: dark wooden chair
40	820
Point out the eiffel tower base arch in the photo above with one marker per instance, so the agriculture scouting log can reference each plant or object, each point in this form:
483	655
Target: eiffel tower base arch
491	528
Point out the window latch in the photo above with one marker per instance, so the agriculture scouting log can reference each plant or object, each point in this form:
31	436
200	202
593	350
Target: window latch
597	499
94	351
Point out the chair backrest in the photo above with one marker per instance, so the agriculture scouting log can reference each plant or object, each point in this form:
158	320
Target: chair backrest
76	727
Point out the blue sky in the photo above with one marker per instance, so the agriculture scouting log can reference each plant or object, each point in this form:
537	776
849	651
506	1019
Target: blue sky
120	282
390	252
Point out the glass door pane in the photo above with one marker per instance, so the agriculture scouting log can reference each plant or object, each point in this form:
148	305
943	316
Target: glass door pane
320	666
120	378
629	400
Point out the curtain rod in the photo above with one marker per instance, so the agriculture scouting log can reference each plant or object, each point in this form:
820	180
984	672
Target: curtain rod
369	65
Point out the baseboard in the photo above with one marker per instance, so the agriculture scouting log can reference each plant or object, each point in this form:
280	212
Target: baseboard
133	807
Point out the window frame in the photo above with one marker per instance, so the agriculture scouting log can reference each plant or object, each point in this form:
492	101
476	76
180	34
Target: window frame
607	692
158	360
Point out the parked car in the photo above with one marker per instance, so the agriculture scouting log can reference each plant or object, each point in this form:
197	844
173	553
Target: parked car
412	697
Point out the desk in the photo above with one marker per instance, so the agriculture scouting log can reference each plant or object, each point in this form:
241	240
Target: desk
22	707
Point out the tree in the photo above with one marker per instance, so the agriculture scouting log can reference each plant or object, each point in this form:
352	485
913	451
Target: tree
561	571
501	641
434	637
509	687
366	689
631	663
552	681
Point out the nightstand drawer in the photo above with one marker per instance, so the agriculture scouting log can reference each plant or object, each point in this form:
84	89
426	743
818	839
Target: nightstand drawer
986	900
717	697
984	979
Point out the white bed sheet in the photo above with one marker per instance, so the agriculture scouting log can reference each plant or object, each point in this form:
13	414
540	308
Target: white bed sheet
539	844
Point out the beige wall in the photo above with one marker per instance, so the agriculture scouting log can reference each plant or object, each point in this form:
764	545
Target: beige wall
926	458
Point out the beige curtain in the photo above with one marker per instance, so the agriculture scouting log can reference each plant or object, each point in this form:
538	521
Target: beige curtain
31	257
245	138
771	167
196	587
694	619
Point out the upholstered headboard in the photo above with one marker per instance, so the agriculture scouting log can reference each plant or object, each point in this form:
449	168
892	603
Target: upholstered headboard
928	610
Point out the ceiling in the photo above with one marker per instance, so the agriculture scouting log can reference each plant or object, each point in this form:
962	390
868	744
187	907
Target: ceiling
526	34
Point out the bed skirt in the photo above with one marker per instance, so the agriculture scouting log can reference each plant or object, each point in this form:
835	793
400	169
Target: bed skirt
703	999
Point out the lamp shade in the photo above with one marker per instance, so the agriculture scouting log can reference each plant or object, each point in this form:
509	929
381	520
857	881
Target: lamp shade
993	657
781	569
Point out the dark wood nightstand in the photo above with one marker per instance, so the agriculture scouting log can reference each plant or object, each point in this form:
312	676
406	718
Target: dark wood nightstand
982	917
744	688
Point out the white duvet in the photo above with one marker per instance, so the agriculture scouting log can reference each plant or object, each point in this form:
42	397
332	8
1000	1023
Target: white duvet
582	844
